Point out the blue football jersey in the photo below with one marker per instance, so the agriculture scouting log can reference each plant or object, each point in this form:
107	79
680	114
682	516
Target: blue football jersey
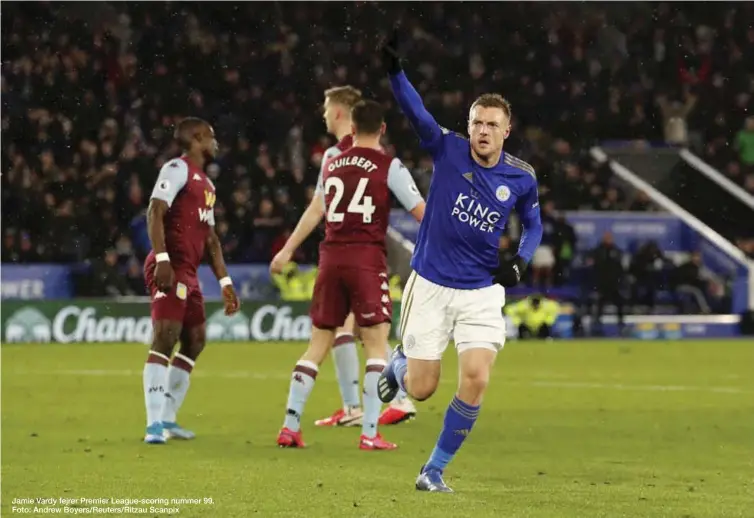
468	205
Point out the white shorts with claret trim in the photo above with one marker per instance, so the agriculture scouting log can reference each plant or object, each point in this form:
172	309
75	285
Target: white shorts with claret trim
432	315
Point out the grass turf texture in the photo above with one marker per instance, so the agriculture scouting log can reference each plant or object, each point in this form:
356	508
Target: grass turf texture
569	429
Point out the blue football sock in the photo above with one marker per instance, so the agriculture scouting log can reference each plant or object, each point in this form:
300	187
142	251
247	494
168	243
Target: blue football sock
399	369
459	419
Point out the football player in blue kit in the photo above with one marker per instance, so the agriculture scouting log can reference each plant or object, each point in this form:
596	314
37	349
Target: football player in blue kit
457	289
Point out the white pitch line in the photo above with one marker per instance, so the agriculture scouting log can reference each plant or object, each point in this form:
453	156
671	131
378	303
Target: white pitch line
283	376
645	388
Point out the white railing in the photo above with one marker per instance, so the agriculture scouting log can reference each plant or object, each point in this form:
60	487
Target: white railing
669	205
717	177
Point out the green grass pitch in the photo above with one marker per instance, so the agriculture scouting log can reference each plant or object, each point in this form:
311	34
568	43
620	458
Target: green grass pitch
568	429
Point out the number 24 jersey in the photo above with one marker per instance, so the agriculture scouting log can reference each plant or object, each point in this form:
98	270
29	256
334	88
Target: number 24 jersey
356	186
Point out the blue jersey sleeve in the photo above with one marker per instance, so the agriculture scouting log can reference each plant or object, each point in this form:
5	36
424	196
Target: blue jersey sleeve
527	207
430	133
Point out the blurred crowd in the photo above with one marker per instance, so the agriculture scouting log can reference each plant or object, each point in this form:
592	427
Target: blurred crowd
641	278
91	91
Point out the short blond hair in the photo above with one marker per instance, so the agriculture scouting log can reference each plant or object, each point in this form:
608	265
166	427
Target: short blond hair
347	95
493	101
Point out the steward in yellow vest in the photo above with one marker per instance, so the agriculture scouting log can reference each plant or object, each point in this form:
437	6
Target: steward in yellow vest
292	284
534	316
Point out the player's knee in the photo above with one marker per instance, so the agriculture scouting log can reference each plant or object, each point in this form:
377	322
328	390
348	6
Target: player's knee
315	355
165	336
423	377
374	338
193	341
475	384
320	344
474	380
193	348
421	388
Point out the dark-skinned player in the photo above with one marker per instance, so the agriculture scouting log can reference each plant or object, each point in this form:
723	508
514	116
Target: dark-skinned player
181	225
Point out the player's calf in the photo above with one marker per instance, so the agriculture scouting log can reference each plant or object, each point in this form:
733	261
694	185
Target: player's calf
372	403
374	338
418	378
346	359
155	376
422	377
178	381
302	381
476	361
193	341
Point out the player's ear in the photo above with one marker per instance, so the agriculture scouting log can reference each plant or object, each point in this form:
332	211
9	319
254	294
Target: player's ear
383	128
353	129
507	132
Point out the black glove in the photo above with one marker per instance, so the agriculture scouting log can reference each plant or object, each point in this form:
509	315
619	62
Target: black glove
510	272
391	58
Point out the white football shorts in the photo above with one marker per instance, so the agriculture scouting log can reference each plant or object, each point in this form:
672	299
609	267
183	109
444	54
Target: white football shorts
432	315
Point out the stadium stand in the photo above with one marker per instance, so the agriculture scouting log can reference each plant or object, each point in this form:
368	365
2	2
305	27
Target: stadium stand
88	105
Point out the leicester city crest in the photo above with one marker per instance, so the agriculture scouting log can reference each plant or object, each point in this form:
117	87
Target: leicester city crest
503	193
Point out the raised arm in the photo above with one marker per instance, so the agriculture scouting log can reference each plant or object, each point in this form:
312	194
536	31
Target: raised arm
402	185
430	133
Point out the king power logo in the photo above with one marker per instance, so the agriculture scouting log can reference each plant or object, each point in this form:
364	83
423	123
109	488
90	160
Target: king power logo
473	213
